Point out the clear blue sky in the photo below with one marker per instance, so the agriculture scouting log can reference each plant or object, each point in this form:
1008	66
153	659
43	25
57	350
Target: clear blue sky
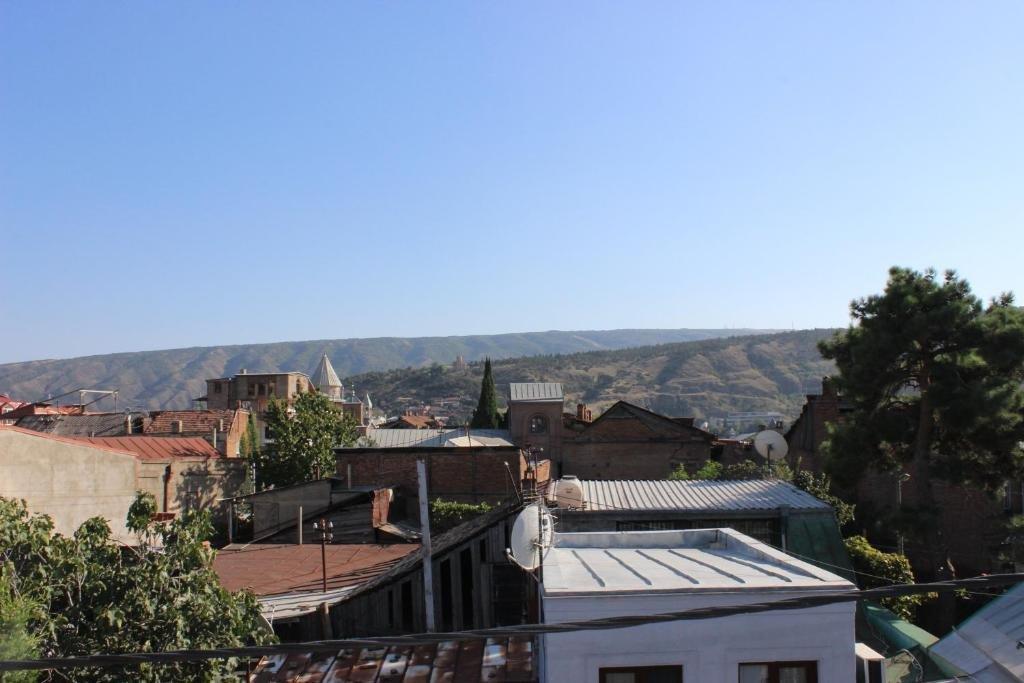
178	174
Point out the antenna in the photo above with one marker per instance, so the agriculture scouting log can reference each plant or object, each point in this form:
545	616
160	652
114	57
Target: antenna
769	443
531	536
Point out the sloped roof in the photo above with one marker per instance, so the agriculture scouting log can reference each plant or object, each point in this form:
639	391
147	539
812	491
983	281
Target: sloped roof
987	645
275	569
700	495
324	375
453	661
90	424
672	561
74	441
435	438
192	421
535	391
625	410
158	448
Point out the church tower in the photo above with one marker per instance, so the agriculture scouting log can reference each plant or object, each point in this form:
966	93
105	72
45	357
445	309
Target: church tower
325	379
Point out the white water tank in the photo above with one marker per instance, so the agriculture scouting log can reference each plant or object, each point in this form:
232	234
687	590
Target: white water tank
569	493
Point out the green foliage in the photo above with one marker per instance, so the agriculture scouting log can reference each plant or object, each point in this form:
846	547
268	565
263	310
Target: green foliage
933	380
820	486
445	514
304	437
17	641
89	595
678	474
141	512
249	446
486	414
711	469
1012	553
876	569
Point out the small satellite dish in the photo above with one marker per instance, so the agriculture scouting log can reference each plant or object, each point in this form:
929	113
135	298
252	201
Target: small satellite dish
770	444
531	536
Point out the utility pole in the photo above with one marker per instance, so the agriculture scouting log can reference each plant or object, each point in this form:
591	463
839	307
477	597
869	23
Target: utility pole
904	478
325	529
428	569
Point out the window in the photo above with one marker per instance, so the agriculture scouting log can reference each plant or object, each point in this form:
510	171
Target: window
252	389
538	424
642	674
216	387
262	391
779	672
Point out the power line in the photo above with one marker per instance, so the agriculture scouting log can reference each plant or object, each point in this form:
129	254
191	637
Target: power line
805	602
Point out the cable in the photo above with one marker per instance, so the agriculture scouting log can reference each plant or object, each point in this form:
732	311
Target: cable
805	602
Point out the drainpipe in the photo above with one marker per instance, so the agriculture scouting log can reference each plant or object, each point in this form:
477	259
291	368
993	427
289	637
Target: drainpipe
167	485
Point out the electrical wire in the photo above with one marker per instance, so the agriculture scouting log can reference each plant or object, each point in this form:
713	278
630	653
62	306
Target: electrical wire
609	623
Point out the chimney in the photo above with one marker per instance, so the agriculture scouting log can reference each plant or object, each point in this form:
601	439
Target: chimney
828	387
214	437
128	423
179	426
220	425
243	371
582	412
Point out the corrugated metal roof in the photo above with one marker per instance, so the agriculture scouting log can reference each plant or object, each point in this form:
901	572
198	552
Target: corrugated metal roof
156	447
453	661
535	391
757	494
986	646
434	438
668	561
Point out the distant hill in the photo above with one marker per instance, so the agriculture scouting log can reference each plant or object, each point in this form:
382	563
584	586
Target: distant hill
172	378
704	379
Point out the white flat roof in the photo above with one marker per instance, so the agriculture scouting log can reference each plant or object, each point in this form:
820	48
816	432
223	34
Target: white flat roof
675	561
698	495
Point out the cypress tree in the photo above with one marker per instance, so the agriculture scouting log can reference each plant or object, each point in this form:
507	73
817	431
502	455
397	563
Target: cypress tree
486	414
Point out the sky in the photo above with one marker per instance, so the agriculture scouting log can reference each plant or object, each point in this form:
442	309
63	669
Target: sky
189	174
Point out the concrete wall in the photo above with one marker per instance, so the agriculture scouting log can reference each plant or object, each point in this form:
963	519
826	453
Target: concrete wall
194	483
68	481
709	651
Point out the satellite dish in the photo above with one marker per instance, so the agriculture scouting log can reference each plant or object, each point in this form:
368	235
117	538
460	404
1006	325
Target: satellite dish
770	444
531	536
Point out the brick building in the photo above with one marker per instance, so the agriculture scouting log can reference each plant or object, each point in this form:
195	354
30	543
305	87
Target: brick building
253	391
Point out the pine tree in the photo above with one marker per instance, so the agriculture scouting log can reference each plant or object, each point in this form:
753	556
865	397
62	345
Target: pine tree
486	414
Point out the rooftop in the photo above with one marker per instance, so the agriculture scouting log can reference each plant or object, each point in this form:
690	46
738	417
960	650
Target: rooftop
535	391
454	661
158	448
675	561
90	424
324	376
271	569
756	494
192	421
434	438
987	645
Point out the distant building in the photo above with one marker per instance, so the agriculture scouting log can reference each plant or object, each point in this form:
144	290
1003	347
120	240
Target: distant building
8	404
254	391
412	422
459	363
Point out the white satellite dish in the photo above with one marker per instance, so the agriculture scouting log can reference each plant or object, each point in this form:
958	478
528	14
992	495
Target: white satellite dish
770	444
531	536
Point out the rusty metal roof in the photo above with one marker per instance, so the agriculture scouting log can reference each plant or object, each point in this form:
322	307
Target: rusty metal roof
158	448
636	495
454	661
270	569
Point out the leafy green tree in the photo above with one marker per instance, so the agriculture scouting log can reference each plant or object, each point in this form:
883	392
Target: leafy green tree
446	514
934	383
17	640
678	474
486	414
250	443
820	486
87	594
711	469
304	436
877	569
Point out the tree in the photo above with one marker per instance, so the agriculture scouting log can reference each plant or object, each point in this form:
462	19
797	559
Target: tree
679	473
711	469
250	443
933	380
85	594
820	486
486	414
304	436
877	569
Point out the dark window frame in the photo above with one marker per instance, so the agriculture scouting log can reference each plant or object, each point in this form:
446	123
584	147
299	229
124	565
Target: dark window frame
811	667
541	421
641	672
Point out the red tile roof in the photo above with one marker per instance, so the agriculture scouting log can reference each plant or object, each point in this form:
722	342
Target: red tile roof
67	439
192	421
454	661
271	569
157	448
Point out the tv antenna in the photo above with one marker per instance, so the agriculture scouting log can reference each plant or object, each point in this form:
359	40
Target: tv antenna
531	536
770	443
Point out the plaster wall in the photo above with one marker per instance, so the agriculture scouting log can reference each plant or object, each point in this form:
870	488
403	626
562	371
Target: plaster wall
710	651
70	482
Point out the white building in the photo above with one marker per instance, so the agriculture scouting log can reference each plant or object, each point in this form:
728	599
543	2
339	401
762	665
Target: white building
605	574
